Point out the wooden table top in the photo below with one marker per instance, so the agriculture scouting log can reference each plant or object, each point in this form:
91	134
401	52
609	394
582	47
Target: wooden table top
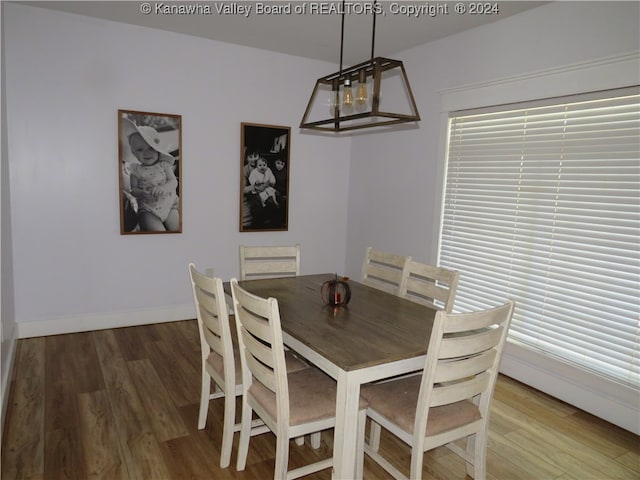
374	328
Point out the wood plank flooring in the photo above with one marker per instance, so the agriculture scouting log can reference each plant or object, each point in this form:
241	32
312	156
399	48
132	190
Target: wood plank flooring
123	404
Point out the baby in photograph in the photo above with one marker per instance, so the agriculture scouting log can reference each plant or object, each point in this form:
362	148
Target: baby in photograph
153	182
262	180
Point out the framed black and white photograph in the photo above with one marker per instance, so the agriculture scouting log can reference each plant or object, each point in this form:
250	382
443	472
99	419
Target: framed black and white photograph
150	168
264	177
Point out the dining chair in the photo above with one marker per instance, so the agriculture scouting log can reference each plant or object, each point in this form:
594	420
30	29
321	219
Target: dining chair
383	270
268	262
429	284
220	358
291	404
451	399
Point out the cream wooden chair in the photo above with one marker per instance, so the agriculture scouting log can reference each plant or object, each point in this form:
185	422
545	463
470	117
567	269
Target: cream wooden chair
220	358
269	262
450	400
291	404
383	270
429	284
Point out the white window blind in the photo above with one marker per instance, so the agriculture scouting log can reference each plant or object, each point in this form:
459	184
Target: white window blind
542	205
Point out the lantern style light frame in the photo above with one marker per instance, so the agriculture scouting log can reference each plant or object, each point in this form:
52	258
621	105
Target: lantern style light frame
344	119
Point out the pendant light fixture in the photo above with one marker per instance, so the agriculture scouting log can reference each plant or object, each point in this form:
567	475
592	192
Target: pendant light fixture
382	94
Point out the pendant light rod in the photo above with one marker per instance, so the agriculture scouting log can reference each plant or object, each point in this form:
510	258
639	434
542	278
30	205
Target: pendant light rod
373	30
342	37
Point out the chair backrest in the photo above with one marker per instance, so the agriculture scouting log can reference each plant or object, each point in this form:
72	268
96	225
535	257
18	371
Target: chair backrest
213	320
462	365
269	262
261	349
383	270
429	284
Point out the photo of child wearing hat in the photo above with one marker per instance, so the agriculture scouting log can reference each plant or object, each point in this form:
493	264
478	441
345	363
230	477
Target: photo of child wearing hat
152	181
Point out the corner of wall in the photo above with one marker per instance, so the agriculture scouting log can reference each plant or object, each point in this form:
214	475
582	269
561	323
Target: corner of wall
8	327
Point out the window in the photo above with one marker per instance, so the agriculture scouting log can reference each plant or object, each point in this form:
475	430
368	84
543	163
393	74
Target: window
541	205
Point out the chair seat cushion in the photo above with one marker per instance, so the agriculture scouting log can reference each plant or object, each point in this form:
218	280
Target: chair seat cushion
397	400
312	396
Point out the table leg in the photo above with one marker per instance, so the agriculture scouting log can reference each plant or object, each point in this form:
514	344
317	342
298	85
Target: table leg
345	458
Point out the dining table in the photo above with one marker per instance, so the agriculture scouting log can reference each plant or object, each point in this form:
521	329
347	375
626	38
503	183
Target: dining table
375	336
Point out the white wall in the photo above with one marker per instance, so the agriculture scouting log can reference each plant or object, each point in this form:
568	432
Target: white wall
396	177
66	77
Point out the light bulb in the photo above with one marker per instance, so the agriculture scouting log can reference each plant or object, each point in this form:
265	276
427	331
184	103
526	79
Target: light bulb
361	94
347	94
361	91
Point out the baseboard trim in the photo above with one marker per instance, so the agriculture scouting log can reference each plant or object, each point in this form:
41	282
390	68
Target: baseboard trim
85	323
7	375
613	402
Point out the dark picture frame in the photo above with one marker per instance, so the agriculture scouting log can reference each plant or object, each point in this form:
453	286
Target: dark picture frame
264	194
150	172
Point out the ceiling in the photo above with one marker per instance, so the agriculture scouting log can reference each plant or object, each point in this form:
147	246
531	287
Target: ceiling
311	35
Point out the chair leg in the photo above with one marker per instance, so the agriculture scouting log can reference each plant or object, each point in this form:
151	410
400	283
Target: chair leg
282	457
299	441
362	422
417	457
477	446
315	440
374	436
227	429
205	391
245	435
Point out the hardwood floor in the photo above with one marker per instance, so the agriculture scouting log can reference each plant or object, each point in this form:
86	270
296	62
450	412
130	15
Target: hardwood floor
123	404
